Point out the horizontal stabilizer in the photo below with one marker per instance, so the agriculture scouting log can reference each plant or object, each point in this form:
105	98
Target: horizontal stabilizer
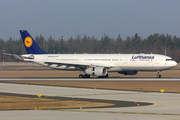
16	56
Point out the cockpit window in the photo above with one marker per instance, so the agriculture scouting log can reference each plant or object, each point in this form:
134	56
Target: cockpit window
169	60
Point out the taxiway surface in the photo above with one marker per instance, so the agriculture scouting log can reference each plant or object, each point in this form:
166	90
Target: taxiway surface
165	105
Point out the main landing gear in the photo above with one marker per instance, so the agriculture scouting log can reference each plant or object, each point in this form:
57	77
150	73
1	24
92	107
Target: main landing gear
84	76
106	76
158	75
88	76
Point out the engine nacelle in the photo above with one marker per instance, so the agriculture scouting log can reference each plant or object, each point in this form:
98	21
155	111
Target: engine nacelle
96	71
128	72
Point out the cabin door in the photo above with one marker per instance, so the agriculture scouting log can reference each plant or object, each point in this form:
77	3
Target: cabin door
125	61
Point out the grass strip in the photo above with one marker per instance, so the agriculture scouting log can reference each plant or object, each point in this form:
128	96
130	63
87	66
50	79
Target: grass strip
26	103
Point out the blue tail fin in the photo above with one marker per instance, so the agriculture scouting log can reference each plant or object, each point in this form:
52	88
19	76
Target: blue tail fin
31	46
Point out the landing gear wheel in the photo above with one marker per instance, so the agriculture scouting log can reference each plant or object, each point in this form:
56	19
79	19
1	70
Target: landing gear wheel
84	76
106	76
158	76
81	76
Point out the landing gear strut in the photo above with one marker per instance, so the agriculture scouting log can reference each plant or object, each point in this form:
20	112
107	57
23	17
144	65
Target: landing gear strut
158	75
106	76
88	76
84	76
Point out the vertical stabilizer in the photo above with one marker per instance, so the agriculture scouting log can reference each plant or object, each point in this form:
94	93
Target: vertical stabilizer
31	46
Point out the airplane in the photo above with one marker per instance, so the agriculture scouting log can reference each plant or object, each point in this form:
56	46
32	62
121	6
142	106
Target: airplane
94	64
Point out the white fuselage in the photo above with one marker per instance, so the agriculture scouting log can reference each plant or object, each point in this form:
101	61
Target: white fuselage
117	62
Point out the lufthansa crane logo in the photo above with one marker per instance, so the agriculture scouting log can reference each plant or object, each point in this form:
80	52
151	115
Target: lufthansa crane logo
28	41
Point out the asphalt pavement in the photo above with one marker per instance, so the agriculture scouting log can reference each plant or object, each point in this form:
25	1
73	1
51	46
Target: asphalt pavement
163	106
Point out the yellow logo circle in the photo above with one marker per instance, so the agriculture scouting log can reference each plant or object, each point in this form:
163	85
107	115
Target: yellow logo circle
28	41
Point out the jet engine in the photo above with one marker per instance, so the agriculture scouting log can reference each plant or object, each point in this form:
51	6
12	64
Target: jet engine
128	72
96	71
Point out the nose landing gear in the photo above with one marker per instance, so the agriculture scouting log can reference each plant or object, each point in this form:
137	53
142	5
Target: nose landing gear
158	75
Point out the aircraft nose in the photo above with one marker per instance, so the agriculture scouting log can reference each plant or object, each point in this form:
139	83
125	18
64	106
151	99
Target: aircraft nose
174	63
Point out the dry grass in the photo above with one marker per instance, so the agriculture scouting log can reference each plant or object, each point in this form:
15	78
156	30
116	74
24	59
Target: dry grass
14	103
39	74
58	73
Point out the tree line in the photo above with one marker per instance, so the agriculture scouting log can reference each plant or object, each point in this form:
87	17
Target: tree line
156	44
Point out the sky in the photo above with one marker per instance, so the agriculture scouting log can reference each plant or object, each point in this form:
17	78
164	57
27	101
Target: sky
69	18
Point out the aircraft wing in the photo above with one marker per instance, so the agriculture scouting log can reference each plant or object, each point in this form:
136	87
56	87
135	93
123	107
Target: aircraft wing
60	63
71	63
